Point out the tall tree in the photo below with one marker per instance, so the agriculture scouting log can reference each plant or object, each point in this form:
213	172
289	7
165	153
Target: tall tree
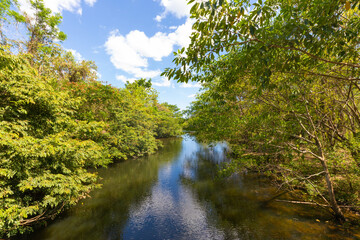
42	27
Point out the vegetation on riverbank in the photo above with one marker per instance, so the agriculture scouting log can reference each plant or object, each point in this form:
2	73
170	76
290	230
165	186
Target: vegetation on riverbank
57	121
281	86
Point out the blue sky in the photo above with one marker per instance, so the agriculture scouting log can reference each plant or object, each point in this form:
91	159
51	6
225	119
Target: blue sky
128	39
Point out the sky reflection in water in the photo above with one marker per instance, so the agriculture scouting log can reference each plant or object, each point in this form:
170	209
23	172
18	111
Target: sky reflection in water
176	194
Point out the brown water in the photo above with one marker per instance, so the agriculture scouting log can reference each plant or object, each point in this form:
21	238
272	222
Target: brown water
176	194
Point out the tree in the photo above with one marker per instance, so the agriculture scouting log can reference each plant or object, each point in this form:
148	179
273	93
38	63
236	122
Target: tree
43	27
43	159
299	61
168	118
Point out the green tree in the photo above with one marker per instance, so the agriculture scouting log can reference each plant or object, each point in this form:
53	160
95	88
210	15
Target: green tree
42	27
298	61
43	159
168	120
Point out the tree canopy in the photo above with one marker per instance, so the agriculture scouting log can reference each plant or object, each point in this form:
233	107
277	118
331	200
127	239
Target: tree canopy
281	85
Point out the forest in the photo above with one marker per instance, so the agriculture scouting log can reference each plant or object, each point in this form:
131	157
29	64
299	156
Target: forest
281	86
58	122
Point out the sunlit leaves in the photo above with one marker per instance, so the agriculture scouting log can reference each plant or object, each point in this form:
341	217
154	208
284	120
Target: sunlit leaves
54	126
281	82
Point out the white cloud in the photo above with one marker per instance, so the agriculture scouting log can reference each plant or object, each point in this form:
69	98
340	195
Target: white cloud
164	83
125	79
131	52
25	6
158	18
182	33
192	96
57	6
60	5
90	2
190	85
122	55
158	46
144	73
179	8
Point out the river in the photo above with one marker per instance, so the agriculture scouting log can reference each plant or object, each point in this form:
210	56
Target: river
177	194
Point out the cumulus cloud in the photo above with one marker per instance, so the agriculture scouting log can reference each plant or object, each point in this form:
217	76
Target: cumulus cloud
158	18
131	52
57	6
122	55
179	8
158	46
190	85
125	79
181	35
144	73
90	2
164	83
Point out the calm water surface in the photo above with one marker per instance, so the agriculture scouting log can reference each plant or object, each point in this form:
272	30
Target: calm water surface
176	194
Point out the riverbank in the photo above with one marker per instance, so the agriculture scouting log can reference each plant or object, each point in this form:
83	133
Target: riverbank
177	193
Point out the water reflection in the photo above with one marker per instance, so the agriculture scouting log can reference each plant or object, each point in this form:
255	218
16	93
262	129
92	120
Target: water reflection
176	194
236	206
172	211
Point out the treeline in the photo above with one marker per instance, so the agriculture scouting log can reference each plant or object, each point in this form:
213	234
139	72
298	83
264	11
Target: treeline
57	122
281	85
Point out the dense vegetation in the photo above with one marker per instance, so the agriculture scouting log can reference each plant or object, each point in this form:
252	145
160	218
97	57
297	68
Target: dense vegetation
57	121
281	86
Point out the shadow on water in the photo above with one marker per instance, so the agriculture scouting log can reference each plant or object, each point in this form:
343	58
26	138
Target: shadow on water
176	194
235	204
104	215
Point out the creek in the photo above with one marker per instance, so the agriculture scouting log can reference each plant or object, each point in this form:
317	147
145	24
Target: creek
177	194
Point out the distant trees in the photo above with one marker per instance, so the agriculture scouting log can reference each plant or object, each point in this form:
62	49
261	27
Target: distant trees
281	81
57	121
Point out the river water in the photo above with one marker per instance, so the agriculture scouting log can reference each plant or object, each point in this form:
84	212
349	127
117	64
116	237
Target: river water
177	194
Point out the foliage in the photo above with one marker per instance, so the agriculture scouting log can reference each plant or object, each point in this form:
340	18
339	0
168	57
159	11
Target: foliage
43	28
168	120
57	121
281	84
42	159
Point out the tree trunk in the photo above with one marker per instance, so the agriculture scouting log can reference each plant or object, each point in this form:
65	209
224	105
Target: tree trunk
334	206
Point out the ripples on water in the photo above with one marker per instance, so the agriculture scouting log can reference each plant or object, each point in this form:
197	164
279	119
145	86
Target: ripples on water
176	194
